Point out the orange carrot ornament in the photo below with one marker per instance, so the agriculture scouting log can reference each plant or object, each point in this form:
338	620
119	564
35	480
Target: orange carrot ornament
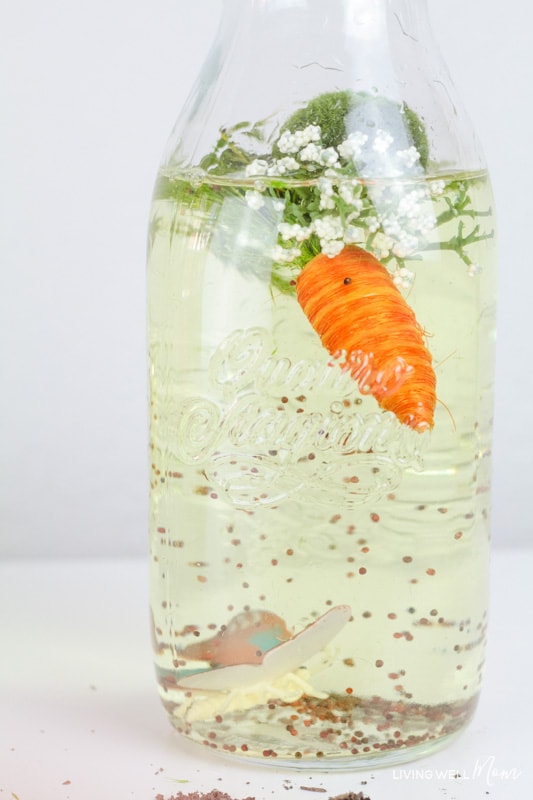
353	304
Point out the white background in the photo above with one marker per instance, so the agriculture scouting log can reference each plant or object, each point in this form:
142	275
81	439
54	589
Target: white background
90	91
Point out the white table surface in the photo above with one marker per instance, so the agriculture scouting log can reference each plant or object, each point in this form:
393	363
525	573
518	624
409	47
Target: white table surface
80	718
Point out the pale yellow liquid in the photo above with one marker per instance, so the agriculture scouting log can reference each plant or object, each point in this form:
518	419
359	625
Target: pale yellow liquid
261	500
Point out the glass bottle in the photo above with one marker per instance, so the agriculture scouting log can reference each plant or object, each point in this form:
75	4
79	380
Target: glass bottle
321	328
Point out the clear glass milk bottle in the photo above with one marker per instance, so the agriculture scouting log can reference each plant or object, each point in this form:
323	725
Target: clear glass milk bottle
321	329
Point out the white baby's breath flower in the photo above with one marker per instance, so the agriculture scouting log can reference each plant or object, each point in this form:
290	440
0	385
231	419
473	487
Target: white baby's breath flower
407	244
287	164
437	187
325	186
284	255
326	203
294	231
382	245
349	192
409	157
391	226
382	141
311	152
372	224
403	278
329	230
328	227
256	167
473	270
285	230
312	133
293	142
352	147
287	143
426	224
254	199
409	204
332	247
329	156
303	234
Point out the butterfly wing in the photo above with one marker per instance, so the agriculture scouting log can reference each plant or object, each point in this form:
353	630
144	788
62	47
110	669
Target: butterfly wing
280	660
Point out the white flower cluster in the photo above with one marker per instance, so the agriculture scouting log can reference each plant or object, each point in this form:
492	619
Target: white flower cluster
405	216
295	231
254	199
328	228
352	147
403	278
280	166
293	142
382	141
395	215
437	188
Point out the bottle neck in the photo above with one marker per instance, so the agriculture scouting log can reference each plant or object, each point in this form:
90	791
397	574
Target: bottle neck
271	57
359	20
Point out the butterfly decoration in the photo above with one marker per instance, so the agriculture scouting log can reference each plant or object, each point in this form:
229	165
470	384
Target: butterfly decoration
257	648
244	640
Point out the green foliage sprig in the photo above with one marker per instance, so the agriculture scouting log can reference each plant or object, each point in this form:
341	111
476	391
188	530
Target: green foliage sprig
347	168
